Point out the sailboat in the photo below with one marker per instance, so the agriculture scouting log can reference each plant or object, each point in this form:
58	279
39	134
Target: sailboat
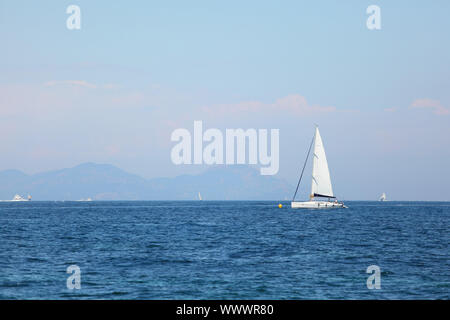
321	181
199	196
383	197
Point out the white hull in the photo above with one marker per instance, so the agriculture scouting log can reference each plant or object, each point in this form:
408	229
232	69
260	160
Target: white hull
316	205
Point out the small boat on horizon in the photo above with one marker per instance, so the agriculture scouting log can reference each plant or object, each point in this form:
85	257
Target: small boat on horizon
321	181
88	199
382	197
18	198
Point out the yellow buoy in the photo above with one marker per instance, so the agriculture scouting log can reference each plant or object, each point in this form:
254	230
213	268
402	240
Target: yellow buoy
280	206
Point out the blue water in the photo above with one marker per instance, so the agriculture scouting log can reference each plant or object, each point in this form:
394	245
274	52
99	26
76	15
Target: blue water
223	250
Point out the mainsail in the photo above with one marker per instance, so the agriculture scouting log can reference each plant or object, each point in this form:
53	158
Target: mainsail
321	182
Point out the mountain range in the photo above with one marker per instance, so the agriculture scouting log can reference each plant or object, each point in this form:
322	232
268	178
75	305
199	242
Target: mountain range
107	182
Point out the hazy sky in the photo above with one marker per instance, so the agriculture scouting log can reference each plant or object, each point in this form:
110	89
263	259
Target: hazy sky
113	91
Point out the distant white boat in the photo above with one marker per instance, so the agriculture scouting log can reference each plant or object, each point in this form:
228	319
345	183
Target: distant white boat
88	199
199	196
18	198
321	181
383	197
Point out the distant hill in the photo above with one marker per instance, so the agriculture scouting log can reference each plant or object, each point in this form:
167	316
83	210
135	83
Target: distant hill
107	182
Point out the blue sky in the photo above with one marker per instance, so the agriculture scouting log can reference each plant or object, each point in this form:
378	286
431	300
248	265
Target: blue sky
113	91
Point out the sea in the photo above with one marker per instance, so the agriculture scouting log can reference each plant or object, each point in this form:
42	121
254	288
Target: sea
223	250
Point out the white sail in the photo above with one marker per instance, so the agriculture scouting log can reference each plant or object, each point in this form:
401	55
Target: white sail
200	197
321	182
383	197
